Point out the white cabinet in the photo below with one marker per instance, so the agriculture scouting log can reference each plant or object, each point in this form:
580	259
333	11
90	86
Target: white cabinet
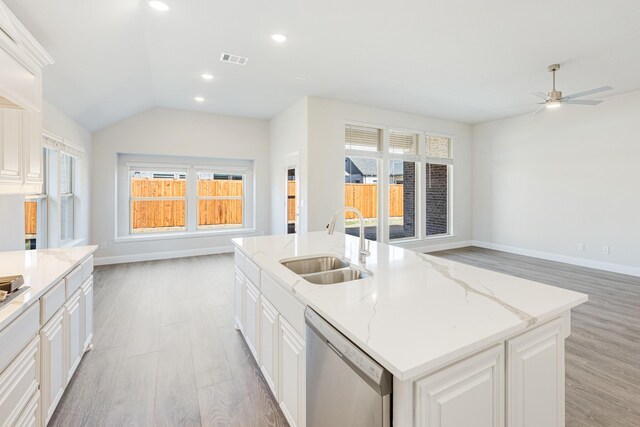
252	318
32	150
269	326
53	367
72	332
86	314
472	389
239	300
19	384
535	377
11	162
291	374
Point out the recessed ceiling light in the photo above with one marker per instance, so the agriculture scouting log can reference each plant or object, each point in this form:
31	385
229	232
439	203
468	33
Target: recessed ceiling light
159	5
207	76
279	38
198	99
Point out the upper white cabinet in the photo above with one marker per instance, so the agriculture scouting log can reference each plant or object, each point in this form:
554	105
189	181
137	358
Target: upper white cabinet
21	62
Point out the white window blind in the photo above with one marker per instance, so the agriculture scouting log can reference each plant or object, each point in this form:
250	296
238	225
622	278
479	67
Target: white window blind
401	142
361	138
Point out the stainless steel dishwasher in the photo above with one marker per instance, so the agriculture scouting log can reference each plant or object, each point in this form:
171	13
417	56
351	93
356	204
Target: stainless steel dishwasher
345	387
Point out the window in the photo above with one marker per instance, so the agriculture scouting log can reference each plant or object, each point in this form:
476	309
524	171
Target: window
220	200
35	214
415	194
363	146
158	200
403	151
437	173
66	197
166	196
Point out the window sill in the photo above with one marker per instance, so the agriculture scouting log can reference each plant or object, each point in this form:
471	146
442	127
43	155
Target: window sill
181	235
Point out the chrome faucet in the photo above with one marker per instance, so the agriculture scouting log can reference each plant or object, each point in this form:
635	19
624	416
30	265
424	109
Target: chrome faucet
364	248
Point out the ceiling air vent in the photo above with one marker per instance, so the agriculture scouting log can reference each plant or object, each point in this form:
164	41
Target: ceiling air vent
233	59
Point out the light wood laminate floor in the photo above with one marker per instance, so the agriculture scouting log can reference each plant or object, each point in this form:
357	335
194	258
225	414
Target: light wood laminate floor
603	351
166	352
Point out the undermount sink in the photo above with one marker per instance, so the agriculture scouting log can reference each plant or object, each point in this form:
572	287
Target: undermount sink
337	276
315	264
325	269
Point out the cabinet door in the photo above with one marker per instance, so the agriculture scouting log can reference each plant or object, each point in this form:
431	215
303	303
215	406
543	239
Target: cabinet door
239	300
291	370
19	383
32	149
252	319
73	332
11	167
269	344
53	378
535	377
472	389
87	314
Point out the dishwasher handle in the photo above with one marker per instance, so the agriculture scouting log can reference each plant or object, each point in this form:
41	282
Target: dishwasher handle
366	367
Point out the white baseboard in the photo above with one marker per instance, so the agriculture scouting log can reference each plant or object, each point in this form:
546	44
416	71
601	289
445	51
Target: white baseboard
599	265
424	248
120	259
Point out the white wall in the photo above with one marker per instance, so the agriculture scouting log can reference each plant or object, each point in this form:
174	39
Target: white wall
548	182
11	222
59	124
327	119
288	141
162	131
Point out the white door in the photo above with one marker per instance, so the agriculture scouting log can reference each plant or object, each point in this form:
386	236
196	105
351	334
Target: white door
269	344
87	314
73	334
535	377
291	370
53	376
470	392
252	318
239	300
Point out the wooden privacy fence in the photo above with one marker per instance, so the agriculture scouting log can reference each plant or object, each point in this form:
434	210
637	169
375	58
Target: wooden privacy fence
30	217
171	213
365	198
291	201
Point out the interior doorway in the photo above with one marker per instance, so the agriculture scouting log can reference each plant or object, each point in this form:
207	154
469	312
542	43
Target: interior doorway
292	205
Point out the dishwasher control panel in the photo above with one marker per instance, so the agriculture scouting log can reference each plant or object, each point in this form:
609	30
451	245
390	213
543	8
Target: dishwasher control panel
345	348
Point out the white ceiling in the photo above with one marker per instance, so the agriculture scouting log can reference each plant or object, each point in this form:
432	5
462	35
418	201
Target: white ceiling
465	60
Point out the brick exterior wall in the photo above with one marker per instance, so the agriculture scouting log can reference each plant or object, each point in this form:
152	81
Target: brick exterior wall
409	200
436	199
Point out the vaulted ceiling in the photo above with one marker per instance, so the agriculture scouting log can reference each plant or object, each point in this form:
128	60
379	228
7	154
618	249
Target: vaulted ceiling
464	60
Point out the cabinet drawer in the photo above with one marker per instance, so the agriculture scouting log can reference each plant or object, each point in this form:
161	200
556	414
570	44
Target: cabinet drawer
31	415
51	302
253	272
18	383
286	304
87	268
18	334
239	259
73	281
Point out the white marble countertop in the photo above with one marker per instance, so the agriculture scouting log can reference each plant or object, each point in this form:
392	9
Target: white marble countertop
41	269
418	312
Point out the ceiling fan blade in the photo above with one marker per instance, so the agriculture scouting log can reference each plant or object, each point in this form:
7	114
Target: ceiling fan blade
589	92
542	108
583	101
540	95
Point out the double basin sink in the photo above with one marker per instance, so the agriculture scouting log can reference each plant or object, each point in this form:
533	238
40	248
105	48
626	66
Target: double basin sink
325	269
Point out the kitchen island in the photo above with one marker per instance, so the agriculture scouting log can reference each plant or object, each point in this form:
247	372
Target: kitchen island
466	346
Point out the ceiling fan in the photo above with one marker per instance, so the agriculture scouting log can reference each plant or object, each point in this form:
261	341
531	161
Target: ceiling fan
554	99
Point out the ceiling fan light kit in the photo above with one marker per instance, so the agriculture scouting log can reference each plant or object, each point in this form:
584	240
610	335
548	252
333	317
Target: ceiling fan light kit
554	98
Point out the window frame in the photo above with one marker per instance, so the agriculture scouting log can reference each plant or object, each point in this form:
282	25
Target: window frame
421	159
222	171
69	195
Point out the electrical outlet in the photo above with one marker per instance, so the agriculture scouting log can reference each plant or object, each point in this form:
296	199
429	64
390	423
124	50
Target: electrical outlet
103	245
605	250
581	247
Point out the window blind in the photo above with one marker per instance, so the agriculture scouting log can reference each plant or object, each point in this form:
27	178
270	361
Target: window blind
403	142
361	138
439	147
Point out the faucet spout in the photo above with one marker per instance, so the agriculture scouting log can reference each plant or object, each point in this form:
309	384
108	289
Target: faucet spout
364	252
